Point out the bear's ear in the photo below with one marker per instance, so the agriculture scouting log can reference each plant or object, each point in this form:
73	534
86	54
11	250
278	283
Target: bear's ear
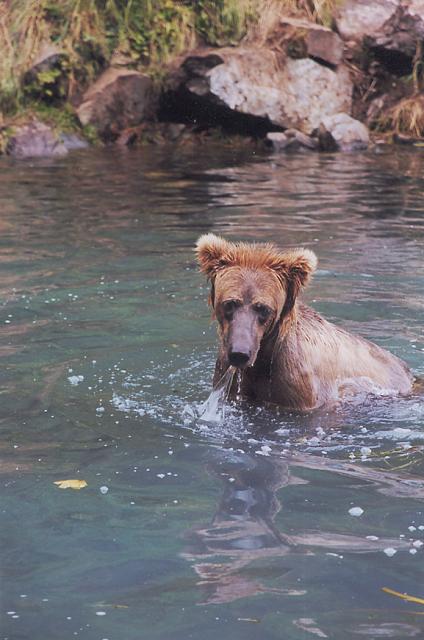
299	265
295	269
213	253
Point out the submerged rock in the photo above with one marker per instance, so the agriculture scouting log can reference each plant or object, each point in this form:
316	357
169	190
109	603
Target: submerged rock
278	141
35	140
72	142
326	141
302	139
291	139
341	132
118	100
257	84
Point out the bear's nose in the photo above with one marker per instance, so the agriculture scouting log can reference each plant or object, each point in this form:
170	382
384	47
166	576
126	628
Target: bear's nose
238	358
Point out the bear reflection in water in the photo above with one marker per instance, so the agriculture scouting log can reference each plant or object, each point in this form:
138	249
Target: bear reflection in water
228	554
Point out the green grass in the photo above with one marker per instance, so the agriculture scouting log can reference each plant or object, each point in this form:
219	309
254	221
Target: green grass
88	32
147	32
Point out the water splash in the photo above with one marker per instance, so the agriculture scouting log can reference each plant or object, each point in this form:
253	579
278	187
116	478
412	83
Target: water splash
170	394
239	380
212	411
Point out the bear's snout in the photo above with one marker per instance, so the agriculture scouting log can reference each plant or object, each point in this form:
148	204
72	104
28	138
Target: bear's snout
238	358
242	338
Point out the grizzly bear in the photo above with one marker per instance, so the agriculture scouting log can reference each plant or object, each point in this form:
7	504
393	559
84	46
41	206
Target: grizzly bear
286	352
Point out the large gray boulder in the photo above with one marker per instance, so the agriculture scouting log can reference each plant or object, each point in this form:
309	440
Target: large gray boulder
119	99
255	82
396	25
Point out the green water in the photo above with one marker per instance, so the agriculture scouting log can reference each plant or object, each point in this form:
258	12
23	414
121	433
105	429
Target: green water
240	530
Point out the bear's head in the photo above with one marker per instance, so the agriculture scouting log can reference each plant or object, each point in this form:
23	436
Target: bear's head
253	291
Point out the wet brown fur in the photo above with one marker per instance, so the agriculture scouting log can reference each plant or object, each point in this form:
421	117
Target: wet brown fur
297	358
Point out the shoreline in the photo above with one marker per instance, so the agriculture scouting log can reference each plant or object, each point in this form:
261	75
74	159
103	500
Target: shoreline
282	80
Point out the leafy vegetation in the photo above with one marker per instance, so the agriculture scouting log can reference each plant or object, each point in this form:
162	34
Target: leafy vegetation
87	33
53	49
224	22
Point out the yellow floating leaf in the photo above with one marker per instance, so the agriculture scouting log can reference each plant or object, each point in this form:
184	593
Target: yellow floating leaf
404	596
71	484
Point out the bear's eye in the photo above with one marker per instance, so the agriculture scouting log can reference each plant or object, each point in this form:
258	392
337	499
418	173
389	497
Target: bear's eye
229	306
263	312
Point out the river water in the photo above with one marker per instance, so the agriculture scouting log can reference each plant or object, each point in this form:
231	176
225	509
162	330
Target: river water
271	524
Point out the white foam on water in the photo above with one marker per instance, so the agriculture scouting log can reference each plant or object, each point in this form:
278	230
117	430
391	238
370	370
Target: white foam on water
399	434
172	397
170	394
127	405
213	410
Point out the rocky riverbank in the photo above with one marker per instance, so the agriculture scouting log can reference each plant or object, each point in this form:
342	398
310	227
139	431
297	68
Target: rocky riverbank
289	83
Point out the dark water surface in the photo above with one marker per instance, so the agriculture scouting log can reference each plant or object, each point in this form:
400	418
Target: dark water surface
240	530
